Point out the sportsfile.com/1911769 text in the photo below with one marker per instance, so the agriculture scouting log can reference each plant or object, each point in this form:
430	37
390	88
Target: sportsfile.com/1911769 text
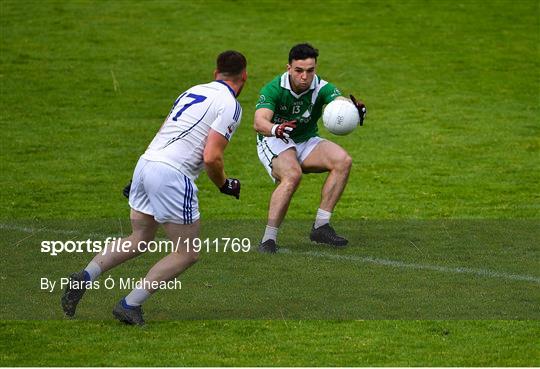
114	244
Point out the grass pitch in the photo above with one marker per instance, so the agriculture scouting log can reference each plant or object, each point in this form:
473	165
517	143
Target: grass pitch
442	205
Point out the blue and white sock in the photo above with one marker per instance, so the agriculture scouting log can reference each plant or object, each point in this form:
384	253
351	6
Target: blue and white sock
137	297
92	271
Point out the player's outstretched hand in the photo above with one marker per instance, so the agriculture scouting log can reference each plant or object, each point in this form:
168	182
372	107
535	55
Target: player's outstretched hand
231	187
284	129
126	189
362	110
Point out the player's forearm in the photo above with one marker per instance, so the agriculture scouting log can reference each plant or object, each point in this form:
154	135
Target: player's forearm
215	170
262	121
263	126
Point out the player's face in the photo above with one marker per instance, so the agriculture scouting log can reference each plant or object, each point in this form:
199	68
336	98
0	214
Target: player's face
302	73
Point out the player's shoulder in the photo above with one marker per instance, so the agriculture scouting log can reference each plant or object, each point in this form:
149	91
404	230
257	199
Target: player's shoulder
320	82
222	92
327	88
217	86
228	102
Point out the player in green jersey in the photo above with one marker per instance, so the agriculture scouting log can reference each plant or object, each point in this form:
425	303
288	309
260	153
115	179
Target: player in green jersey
288	143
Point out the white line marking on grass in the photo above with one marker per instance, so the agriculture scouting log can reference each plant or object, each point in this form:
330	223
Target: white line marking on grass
405	265
67	232
11	227
349	258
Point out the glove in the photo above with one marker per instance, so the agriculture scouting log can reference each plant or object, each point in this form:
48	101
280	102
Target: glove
362	111
231	187
283	130
126	189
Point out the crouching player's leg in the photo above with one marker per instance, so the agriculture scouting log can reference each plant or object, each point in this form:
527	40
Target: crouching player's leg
144	229
287	173
328	157
129	309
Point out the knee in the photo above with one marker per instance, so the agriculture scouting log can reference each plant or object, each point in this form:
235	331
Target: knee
192	258
188	258
183	259
344	164
143	234
292	179
142	239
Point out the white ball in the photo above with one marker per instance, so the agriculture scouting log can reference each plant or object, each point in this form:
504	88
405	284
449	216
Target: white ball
340	117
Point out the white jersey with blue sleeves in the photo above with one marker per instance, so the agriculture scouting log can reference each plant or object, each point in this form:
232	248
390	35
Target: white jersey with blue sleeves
181	140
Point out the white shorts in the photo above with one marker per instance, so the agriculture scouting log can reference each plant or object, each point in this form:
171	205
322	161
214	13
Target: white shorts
270	147
162	191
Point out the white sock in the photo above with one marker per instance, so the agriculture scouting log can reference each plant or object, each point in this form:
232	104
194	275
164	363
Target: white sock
93	270
137	297
270	233
323	217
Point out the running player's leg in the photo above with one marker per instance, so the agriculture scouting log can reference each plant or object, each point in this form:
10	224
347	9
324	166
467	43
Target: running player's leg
328	157
143	229
173	199
129	310
143	223
181	258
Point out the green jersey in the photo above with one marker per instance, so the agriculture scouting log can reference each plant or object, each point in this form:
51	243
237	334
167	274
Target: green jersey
305	108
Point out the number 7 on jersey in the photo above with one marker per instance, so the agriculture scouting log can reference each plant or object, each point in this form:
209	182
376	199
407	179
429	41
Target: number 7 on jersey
196	100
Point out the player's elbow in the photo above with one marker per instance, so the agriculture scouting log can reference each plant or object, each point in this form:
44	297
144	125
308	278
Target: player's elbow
261	121
212	159
257	125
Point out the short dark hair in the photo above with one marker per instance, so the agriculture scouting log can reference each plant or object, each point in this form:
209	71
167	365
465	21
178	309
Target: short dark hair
303	51
231	63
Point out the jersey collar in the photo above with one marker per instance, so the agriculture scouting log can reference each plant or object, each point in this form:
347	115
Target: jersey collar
229	87
285	83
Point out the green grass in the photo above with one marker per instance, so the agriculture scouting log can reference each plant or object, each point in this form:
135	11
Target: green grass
452	141
273	343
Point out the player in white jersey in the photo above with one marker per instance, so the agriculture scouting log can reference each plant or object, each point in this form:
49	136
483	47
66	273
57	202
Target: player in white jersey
182	138
192	138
